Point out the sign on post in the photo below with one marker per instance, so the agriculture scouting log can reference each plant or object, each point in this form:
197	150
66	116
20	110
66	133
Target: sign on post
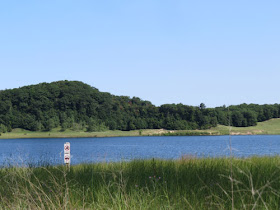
67	148
67	156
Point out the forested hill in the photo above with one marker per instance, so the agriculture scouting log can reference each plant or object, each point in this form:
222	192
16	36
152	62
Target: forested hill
75	105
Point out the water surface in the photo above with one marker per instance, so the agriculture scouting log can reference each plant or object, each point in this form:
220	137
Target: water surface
50	151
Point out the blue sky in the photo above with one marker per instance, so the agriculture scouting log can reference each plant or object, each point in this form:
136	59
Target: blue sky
215	52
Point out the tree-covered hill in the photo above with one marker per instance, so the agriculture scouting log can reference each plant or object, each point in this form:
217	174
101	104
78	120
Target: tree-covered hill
75	105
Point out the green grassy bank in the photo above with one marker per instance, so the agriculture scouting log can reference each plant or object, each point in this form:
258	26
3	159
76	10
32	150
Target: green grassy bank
188	183
268	127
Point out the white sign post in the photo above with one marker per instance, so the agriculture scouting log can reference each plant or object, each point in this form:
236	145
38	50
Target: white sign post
67	156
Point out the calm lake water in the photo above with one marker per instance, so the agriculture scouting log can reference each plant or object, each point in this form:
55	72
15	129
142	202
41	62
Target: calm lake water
50	151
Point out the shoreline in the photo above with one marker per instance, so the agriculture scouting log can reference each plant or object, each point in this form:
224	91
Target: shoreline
23	134
270	127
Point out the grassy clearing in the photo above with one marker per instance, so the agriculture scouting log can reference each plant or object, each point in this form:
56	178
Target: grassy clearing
268	127
57	133
187	183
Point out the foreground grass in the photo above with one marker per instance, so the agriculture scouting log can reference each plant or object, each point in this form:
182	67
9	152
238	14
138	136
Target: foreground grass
188	183
268	127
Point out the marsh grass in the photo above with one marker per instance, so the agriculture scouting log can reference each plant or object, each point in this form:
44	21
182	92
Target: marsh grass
187	183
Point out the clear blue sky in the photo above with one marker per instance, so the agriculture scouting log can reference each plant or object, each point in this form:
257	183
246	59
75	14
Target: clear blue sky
215	52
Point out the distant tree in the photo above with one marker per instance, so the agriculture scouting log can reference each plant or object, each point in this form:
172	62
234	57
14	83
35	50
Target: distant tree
131	125
237	119
202	106
9	128
49	124
213	121
112	125
96	125
251	118
3	128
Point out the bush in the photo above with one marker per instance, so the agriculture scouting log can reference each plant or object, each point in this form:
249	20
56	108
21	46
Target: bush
3	128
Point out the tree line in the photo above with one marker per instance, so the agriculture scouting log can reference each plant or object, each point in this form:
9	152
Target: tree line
75	105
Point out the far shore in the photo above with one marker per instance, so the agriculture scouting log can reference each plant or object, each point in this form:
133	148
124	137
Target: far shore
270	127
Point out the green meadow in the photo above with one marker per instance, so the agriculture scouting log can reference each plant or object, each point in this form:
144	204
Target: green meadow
268	127
187	183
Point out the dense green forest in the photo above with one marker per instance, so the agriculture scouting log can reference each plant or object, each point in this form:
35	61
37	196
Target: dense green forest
75	105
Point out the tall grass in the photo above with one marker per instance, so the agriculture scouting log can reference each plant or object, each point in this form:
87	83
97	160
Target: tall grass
188	183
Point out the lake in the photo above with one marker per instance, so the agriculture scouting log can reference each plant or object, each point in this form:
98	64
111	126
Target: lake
50	151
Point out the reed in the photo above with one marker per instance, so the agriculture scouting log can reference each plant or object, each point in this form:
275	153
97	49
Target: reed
189	182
